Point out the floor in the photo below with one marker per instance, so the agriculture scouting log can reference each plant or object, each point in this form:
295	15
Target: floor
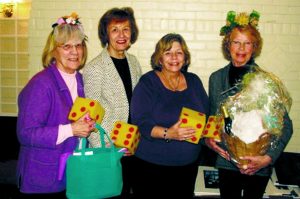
8	191
11	192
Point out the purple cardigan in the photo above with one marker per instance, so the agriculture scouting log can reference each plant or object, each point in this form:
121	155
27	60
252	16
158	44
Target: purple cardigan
44	103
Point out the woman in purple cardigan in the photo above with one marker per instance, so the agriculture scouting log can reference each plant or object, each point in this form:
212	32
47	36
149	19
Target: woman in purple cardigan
43	128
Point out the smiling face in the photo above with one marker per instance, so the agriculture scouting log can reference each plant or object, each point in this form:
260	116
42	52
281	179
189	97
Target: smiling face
119	34
173	59
69	55
241	47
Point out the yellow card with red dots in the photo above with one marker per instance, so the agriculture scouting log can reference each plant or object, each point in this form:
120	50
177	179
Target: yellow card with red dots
125	135
213	127
82	105
192	118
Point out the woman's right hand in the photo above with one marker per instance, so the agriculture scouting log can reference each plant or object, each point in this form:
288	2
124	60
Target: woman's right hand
212	143
83	127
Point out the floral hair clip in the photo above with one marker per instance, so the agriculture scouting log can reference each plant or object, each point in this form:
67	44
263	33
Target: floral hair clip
242	19
73	19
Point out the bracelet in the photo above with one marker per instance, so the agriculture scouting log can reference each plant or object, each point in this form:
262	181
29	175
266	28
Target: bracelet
165	135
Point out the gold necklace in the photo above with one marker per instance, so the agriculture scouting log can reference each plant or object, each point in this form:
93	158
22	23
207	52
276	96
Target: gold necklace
171	85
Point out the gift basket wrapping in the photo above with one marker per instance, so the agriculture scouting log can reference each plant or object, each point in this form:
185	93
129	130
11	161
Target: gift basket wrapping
254	114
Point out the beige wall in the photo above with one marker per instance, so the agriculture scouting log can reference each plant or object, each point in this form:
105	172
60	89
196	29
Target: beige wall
199	21
14	56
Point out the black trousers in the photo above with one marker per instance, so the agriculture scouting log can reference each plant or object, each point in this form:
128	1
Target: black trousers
158	181
234	185
128	174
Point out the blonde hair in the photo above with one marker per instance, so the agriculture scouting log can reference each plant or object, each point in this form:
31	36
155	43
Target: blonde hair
60	35
164	44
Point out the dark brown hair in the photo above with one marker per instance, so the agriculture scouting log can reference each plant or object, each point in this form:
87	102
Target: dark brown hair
119	14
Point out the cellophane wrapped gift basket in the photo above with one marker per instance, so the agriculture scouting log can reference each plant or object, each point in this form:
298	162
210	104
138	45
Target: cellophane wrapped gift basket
255	115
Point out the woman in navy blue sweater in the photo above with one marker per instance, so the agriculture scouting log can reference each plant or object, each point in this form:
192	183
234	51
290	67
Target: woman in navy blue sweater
166	163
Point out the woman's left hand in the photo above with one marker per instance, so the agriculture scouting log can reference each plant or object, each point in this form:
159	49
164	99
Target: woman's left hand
255	163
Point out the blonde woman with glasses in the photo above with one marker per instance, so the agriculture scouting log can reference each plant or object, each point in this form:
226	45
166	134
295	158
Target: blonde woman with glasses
44	131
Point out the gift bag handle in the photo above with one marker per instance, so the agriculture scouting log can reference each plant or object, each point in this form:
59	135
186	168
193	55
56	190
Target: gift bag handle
82	144
102	134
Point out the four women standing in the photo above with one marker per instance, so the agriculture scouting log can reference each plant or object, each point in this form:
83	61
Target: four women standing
165	163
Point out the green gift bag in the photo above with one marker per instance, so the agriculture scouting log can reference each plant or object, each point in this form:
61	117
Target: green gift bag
94	173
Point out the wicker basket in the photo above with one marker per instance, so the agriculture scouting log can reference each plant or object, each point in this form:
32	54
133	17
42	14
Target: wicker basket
237	148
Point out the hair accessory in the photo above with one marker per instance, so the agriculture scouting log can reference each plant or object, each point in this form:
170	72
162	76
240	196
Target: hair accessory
242	19
73	19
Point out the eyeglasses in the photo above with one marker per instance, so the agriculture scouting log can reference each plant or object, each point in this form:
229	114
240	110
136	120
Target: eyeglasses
238	44
69	47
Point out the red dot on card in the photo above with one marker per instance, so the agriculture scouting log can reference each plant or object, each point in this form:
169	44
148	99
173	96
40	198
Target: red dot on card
184	120
217	126
205	132
116	132
131	129
114	138
199	126
126	142
208	126
128	135
97	117
82	109
211	119
92	104
201	114
73	114
118	125
185	114
194	139
216	133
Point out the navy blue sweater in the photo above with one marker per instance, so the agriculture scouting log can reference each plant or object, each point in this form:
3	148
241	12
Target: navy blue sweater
154	105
